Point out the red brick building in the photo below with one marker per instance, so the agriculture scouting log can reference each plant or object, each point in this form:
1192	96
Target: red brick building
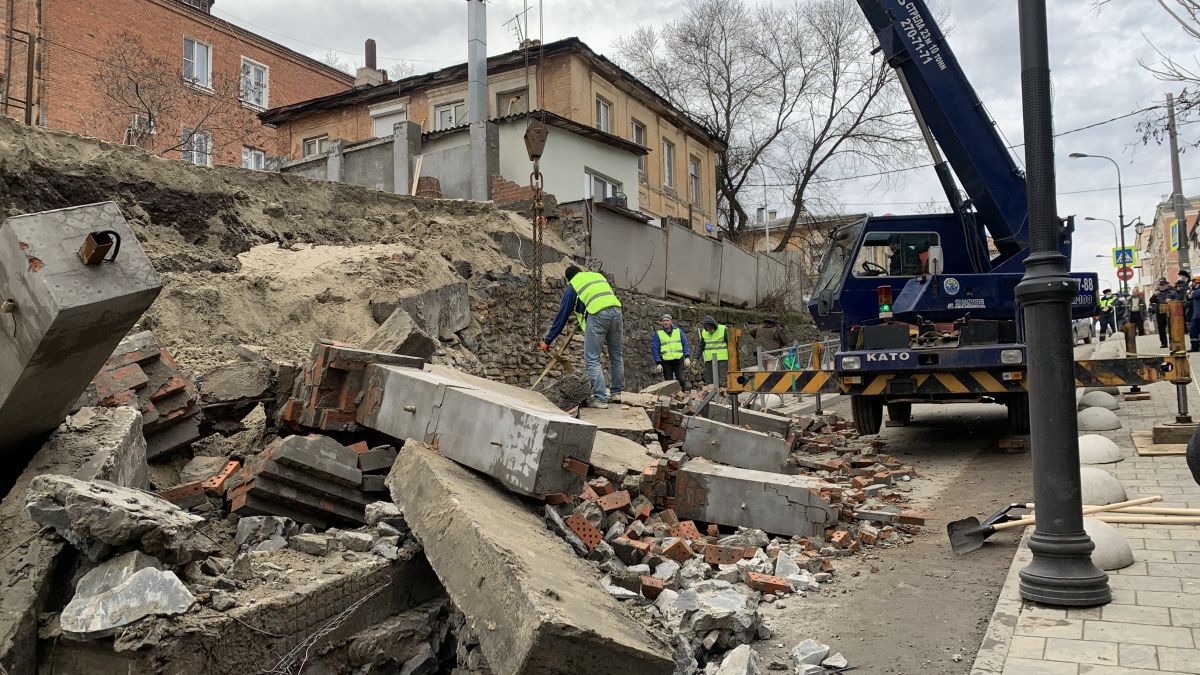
163	74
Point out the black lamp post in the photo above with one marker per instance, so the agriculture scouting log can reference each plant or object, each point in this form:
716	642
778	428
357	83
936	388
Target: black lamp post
1062	572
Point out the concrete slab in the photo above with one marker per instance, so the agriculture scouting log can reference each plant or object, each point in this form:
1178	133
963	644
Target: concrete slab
779	504
93	444
758	421
67	316
734	446
626	421
521	445
614	457
536	607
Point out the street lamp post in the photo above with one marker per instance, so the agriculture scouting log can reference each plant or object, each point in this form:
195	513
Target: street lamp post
1116	240
1120	204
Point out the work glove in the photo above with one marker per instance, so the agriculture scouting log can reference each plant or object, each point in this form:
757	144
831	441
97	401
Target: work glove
687	363
544	346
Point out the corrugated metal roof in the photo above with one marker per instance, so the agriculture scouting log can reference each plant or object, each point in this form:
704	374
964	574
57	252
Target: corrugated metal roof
553	120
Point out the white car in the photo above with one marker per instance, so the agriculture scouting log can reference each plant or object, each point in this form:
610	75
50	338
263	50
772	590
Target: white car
1083	329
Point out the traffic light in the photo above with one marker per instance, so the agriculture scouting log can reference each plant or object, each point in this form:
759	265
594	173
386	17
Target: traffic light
885	302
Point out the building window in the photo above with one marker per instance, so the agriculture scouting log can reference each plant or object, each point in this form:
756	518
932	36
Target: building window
450	115
694	179
254	83
197	63
512	102
253	158
196	147
668	164
384	124
598	186
638	134
603	115
316	146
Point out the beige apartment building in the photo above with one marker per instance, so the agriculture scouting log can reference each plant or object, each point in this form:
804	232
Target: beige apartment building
676	177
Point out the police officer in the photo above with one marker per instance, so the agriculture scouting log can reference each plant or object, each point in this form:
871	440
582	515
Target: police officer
1194	305
670	348
1163	294
595	305
1107	324
715	345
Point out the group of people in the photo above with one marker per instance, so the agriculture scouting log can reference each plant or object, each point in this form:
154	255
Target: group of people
591	300
1116	309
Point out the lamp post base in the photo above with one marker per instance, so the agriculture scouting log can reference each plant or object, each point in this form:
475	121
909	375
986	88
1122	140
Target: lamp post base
1062	573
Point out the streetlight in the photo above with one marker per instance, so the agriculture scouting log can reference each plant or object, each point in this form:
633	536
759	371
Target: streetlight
1114	227
1120	203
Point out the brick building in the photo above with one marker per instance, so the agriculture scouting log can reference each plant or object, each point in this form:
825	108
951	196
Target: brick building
201	80
1158	244
676	180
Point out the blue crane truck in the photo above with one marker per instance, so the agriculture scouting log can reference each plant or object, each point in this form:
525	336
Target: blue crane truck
924	304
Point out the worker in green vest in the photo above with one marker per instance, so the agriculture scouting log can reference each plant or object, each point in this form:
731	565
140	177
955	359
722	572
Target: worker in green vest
714	343
1107	323
594	303
670	349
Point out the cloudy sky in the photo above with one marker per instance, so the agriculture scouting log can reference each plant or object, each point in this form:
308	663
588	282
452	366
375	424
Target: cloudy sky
1094	55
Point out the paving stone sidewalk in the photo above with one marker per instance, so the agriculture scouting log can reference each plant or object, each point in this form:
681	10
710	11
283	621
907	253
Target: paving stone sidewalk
1153	622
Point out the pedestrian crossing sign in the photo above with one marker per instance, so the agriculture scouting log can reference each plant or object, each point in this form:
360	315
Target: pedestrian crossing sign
1123	257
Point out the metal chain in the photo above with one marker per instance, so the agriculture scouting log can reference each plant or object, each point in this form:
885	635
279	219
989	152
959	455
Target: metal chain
539	226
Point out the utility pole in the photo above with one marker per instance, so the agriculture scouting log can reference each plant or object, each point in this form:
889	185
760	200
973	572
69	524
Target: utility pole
477	98
1061	572
1184	415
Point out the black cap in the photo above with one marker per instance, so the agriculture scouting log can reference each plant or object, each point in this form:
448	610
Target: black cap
571	272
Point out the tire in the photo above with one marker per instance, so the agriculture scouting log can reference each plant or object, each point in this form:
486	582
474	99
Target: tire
868	413
1018	414
900	412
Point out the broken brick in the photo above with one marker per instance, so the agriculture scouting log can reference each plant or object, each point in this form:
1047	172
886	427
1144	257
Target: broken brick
677	550
584	530
840	539
557	498
767	583
651	587
602	486
614	501
722	555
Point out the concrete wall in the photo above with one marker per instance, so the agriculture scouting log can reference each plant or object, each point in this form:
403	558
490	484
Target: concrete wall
310	168
370	165
633	252
566	160
739	276
452	167
693	265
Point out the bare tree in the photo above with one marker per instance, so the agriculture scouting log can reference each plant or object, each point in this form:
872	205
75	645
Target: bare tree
854	117
737	70
334	61
148	103
401	70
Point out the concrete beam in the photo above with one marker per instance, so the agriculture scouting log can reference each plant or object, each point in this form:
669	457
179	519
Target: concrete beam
758	421
521	445
66	317
779	504
734	446
536	607
630	422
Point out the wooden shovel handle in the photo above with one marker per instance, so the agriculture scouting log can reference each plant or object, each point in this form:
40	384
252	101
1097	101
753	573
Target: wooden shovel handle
1028	520
1158	511
1150	520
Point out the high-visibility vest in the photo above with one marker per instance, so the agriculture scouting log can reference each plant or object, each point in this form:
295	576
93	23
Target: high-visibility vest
582	319
670	347
1106	302
714	344
594	292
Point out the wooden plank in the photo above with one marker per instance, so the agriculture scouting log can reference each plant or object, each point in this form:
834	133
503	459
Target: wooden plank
1143	442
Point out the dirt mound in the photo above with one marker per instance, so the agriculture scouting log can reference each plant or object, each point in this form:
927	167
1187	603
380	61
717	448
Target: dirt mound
256	257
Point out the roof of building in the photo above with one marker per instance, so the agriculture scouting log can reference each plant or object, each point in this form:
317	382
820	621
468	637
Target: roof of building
552	120
502	62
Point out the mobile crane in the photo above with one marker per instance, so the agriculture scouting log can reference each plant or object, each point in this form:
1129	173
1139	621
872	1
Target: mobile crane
923	304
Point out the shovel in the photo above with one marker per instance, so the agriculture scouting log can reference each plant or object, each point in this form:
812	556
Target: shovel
968	534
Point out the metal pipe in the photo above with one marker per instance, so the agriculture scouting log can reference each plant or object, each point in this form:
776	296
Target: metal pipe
1061	572
1181	396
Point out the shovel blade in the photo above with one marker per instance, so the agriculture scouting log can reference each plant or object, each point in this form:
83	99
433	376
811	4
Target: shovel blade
967	535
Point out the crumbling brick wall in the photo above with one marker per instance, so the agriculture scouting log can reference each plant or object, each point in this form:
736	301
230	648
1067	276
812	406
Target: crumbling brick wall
506	346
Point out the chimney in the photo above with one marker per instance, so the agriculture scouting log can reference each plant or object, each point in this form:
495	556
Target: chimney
772	214
369	75
761	214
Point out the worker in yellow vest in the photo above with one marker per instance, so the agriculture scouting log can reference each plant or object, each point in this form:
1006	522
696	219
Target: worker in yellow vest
714	343
670	349
594	303
1107	323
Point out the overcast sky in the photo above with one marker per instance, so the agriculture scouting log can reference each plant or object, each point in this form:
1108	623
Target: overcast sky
1094	57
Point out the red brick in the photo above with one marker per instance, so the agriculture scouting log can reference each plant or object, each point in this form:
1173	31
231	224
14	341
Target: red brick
766	583
678	551
614	501
840	539
360	446
557	498
585	530
722	555
651	587
217	482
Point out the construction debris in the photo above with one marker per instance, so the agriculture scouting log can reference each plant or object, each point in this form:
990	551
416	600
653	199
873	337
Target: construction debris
65	314
399	334
735	446
534	606
120	591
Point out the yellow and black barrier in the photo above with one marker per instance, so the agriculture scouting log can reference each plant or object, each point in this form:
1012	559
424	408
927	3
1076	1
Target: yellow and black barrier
1125	372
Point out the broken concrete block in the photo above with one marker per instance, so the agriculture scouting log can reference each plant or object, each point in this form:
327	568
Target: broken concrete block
790	505
374	483
440	311
95	516
569	391
762	422
809	652
399	334
836	661
377	459
740	661
615	457
355	541
715	606
382	511
664	388
254	529
496	560
200	469
322	457
312	544
734	446
525	447
236	382
67	315
120	591
621	420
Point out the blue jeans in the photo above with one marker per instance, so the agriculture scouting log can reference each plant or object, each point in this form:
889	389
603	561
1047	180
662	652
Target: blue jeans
605	327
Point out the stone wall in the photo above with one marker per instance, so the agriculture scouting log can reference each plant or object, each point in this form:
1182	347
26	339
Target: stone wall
507	339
